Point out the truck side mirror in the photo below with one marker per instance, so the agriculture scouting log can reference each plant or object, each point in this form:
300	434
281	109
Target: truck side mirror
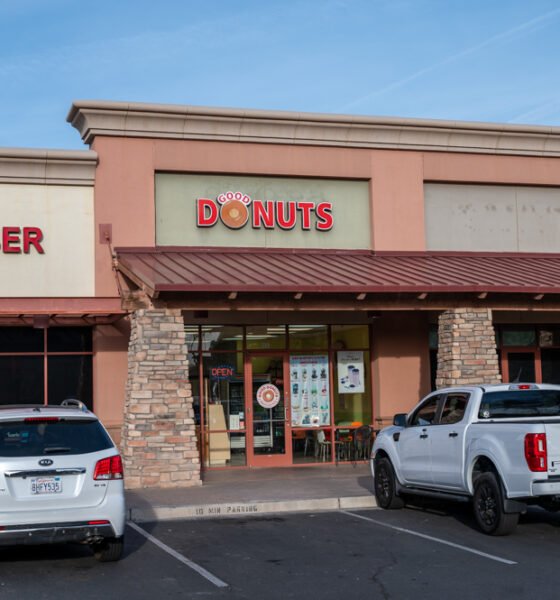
400	420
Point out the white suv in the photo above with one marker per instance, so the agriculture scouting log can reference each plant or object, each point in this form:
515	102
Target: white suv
61	479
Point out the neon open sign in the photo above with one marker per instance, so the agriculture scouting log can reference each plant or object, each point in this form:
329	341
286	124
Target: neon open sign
236	209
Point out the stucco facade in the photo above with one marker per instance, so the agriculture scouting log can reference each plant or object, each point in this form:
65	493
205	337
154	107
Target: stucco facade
395	190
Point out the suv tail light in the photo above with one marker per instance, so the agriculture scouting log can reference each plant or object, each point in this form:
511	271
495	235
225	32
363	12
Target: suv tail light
108	468
535	451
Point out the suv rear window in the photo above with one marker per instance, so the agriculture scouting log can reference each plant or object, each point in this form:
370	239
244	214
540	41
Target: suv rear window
520	403
18	438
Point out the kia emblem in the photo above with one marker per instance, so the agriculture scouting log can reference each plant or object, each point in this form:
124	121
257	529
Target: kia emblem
45	462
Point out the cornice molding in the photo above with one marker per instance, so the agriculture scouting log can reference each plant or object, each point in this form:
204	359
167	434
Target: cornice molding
121	119
47	167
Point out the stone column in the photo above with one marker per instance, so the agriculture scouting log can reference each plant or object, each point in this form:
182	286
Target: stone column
467	348
159	440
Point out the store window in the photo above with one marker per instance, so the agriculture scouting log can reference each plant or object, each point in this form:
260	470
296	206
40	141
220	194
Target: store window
321	373
266	337
61	357
518	337
308	337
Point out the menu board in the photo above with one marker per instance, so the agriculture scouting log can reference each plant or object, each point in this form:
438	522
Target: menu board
309	387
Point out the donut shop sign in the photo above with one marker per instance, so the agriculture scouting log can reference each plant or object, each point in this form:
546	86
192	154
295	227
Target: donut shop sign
236	209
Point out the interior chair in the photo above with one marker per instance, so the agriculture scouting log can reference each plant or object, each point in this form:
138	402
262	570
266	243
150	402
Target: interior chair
310	442
323	444
362	442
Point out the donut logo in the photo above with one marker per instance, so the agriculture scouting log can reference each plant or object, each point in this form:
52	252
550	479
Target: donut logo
268	395
233	209
236	209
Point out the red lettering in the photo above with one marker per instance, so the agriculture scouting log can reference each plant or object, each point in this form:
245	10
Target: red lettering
324	215
32	236
289	221
263	214
306	209
10	237
206	212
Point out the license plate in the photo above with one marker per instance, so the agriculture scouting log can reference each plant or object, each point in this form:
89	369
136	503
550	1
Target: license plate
46	485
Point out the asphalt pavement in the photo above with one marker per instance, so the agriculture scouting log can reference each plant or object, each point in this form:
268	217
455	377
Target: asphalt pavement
426	551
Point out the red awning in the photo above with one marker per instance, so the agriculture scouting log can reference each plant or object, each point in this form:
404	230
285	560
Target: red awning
337	271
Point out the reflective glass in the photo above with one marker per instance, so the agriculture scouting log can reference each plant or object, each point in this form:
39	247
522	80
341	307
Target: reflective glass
22	380
349	337
21	339
308	337
519	337
266	337
70	377
222	337
352	389
69	339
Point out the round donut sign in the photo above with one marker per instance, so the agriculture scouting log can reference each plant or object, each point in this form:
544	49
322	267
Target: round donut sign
268	395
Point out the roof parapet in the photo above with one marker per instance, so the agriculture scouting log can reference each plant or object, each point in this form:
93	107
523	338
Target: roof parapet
123	119
47	167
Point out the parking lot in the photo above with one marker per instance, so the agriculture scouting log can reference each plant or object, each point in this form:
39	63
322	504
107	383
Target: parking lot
428	551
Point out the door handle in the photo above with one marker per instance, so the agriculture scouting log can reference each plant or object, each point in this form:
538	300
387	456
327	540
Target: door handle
453	434
423	436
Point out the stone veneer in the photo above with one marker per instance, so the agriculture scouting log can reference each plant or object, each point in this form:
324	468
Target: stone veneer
467	348
159	444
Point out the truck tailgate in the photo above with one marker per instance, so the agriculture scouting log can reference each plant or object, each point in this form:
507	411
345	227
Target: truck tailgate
552	431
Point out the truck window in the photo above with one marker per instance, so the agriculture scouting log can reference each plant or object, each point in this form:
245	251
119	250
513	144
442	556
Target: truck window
520	403
454	408
426	413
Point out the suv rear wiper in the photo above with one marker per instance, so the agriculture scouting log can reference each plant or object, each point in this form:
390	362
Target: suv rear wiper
54	449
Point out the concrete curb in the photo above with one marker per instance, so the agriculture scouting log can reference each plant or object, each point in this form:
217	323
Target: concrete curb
238	509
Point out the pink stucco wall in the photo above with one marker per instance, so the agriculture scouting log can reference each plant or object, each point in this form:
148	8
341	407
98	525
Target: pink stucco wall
401	363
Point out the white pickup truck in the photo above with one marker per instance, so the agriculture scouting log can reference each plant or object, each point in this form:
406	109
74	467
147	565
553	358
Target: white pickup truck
495	445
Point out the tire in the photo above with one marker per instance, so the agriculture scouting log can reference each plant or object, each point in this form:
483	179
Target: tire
385	485
109	550
488	505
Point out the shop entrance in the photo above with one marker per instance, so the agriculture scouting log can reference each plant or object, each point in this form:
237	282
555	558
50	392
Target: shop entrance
268	413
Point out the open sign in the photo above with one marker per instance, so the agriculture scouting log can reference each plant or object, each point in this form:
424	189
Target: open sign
222	372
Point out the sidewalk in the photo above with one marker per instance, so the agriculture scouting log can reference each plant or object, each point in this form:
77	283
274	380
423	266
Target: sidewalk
257	491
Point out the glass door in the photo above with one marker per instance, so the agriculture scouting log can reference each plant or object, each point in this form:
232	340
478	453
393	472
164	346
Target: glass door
268	415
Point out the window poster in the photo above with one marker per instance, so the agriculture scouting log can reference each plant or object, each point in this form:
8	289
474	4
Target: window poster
309	386
350	372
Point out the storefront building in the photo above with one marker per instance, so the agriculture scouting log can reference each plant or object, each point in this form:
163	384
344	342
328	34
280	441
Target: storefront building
275	286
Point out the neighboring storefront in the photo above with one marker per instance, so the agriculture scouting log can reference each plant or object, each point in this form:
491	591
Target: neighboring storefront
265	289
53	328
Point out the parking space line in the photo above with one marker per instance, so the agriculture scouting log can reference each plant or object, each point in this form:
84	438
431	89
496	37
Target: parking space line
183	559
433	539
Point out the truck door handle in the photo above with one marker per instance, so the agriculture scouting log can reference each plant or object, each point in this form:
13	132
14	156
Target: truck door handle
453	434
423	436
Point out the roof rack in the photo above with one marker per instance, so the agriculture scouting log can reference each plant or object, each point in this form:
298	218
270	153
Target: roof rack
74	403
67	403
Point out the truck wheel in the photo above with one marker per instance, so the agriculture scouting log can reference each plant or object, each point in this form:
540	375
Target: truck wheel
489	507
109	550
385	487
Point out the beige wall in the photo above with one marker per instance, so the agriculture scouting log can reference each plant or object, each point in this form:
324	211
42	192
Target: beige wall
65	216
497	218
401	362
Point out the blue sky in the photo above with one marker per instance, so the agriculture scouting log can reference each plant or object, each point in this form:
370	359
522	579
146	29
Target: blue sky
482	60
